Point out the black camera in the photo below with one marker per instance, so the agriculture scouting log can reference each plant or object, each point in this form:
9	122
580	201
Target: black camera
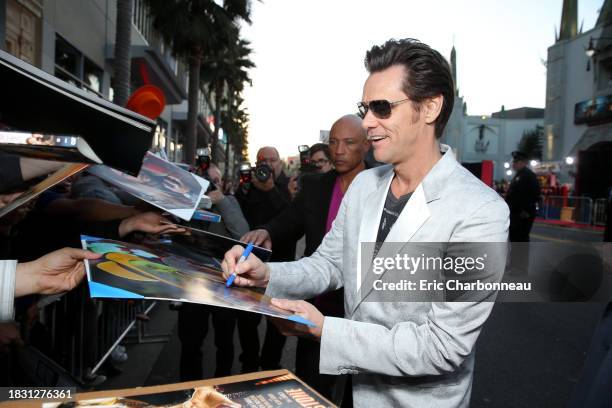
202	166
305	165
263	172
245	173
202	160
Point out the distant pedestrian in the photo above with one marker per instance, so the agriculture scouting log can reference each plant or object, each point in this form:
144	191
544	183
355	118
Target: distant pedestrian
522	198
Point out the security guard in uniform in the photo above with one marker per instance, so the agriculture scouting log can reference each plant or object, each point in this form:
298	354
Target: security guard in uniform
522	198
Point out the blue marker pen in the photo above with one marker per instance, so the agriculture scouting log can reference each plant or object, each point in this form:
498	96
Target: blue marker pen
243	258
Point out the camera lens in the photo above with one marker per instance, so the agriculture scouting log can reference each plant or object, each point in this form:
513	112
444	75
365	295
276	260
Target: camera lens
263	172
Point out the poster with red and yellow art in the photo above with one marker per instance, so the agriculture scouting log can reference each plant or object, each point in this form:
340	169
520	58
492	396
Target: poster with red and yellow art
131	271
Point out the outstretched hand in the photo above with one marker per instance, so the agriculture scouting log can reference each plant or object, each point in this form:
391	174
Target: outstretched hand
56	272
6	199
149	222
259	237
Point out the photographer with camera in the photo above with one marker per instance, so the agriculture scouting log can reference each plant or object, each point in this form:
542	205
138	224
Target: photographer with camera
320	157
262	195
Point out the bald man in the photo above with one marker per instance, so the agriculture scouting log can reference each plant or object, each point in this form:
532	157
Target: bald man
311	214
260	203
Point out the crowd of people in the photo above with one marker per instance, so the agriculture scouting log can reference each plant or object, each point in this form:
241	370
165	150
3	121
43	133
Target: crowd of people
360	352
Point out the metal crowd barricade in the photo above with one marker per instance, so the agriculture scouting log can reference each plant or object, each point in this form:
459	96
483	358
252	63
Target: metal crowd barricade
84	332
599	211
571	209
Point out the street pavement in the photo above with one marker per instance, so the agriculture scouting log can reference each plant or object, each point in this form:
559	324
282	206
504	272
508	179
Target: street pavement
531	354
551	233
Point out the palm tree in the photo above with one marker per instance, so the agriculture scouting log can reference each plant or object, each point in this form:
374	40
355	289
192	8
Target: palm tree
235	124
224	73
195	28
531	142
123	42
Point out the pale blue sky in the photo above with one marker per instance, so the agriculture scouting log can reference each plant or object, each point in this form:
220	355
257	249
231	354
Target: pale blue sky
309	56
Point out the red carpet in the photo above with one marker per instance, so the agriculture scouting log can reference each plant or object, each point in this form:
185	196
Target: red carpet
569	224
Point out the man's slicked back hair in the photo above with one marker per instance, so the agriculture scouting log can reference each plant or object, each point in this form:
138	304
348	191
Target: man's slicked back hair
428	73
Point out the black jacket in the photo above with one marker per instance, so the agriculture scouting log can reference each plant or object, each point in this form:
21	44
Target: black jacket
307	214
259	207
524	192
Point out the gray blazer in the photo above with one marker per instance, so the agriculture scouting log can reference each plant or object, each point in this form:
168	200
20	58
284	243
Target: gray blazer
233	224
413	354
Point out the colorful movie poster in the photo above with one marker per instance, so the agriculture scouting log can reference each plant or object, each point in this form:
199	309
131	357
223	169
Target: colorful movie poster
140	272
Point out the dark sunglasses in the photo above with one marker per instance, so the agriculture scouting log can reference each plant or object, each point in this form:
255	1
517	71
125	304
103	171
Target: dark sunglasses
380	108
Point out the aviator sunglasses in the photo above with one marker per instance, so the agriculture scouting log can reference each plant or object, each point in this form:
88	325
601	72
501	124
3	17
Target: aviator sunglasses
380	108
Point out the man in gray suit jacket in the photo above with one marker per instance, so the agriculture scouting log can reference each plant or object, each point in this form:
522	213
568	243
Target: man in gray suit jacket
403	352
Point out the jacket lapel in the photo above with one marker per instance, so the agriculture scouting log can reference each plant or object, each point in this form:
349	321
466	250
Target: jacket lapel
411	219
368	228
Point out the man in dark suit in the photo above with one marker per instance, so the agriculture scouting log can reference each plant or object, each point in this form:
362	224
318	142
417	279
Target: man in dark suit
311	214
522	198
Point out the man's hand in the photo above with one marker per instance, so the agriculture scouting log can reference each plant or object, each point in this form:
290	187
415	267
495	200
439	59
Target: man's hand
7	198
149	222
259	237
215	196
56	272
251	272
265	186
293	186
303	309
9	336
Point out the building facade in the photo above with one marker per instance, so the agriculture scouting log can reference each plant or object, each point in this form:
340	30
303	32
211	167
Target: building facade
492	137
74	40
578	117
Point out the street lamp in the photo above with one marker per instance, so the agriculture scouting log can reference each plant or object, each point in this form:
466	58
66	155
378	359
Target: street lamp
591	50
509	173
569	160
533	163
506	165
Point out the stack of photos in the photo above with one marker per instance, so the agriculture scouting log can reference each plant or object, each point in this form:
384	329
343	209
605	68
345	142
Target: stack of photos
159	183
